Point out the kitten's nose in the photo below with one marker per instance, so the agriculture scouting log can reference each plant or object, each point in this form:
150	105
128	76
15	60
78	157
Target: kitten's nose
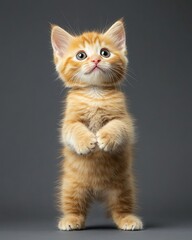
96	60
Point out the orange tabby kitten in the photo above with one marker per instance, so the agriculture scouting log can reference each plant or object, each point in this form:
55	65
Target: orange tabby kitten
97	132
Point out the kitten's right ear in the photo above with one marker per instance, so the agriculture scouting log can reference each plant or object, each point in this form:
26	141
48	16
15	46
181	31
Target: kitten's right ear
117	33
60	40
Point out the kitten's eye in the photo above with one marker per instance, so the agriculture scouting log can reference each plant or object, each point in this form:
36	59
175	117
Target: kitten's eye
105	53
81	55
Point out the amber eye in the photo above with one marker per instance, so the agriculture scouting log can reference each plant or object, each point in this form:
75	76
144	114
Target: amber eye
105	53
81	55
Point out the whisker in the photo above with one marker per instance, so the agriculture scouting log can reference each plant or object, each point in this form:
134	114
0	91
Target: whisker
121	74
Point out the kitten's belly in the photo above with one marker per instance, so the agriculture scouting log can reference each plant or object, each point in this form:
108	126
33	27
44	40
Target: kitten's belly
97	170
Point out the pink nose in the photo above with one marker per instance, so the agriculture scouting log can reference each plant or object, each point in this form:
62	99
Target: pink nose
96	61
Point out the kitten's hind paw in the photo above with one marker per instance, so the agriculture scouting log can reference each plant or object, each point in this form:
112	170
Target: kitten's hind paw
69	223
130	223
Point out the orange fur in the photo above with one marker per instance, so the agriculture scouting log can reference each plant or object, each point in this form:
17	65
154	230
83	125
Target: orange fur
97	131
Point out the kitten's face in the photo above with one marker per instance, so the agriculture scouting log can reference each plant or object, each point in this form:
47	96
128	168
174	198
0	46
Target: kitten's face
92	58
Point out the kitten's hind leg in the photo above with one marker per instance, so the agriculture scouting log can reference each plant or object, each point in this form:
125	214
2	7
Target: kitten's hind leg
121	206
74	201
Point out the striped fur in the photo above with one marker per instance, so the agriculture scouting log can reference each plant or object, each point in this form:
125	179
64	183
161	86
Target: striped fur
97	131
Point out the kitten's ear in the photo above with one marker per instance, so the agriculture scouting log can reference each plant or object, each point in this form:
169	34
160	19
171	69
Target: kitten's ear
60	40
117	33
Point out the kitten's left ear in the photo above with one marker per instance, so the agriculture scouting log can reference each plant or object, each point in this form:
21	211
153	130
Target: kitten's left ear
117	33
60	40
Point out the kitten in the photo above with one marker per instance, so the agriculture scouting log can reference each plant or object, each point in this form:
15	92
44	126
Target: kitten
97	132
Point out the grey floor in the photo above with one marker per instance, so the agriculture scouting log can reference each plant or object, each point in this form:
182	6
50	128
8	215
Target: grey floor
96	229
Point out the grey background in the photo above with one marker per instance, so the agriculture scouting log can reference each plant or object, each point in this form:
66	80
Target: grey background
159	36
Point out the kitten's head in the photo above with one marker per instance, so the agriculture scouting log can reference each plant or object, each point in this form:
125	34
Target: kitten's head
92	58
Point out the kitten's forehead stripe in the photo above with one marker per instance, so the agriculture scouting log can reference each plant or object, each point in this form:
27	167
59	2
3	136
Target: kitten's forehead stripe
90	38
85	40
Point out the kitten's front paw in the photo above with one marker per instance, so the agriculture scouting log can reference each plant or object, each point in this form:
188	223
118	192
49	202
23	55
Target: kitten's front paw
130	223
85	144
106	141
69	223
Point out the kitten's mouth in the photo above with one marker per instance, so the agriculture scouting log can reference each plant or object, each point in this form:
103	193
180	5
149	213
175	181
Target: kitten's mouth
95	68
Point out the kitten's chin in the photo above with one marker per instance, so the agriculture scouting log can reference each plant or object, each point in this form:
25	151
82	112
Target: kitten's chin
99	80
95	70
95	78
